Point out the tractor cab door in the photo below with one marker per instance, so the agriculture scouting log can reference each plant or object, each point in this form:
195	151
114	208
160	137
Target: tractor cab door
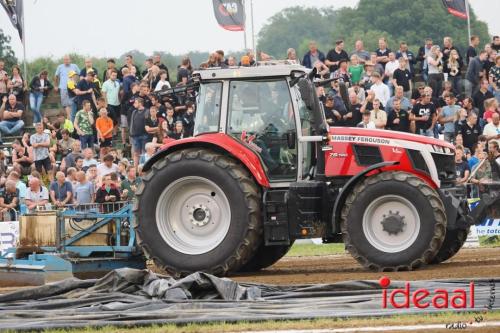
261	114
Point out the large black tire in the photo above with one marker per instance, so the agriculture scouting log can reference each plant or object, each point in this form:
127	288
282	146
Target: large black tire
453	242
238	188
421	199
265	257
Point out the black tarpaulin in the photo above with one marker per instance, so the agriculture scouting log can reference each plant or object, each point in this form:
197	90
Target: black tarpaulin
129	297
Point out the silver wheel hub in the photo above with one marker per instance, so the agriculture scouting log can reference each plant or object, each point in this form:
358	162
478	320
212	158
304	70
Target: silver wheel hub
391	223
200	215
193	215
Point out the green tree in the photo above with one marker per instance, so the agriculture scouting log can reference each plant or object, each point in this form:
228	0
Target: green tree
405	20
396	20
6	52
294	27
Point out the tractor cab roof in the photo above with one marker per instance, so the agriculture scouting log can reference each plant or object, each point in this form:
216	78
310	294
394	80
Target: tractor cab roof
262	70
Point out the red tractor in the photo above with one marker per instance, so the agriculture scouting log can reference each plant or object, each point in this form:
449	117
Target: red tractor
264	169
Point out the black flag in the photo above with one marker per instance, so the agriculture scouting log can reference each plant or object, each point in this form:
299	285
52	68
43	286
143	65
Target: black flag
14	9
456	8
230	14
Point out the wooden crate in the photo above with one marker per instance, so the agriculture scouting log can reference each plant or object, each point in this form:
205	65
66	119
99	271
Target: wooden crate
40	230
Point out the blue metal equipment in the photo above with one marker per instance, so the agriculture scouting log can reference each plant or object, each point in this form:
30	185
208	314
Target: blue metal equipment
35	265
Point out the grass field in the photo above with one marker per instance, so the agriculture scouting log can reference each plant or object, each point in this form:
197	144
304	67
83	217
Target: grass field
306	250
442	318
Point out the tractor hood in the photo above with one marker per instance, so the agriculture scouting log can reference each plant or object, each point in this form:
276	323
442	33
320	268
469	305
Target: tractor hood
373	136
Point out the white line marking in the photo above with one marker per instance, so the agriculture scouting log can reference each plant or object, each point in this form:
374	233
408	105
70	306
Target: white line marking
384	328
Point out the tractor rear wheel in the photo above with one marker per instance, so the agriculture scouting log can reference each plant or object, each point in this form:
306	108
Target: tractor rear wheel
393	221
198	210
265	257
453	242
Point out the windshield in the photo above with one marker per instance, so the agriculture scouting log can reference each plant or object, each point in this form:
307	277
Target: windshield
208	108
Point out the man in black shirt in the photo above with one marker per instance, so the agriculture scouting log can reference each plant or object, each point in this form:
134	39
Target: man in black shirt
471	50
398	120
157	62
85	90
481	95
353	117
470	132
334	56
401	77
9	201
332	116
11	112
424	115
383	52
183	74
461	165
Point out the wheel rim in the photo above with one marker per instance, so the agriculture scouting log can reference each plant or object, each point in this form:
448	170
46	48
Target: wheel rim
391	223
193	215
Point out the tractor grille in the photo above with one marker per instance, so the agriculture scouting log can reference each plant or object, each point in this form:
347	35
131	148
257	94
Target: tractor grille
417	160
445	165
367	155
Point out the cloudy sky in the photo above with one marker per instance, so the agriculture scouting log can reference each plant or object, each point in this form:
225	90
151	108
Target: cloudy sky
112	27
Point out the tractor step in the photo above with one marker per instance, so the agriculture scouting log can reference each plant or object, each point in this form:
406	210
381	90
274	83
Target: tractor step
276	217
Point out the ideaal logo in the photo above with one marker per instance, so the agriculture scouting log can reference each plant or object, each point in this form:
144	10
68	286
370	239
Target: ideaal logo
423	298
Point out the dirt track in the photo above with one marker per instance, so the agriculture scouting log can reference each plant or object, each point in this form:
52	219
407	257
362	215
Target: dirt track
469	263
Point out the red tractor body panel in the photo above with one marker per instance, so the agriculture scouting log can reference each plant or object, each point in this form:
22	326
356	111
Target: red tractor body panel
223	141
342	160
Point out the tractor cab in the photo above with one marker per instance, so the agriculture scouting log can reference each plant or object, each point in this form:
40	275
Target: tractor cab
263	109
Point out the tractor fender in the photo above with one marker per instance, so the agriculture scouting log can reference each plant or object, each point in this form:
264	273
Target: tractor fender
346	189
219	142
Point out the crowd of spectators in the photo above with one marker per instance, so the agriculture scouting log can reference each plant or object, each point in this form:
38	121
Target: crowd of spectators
74	158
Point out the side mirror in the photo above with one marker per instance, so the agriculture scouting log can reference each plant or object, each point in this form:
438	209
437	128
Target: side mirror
291	138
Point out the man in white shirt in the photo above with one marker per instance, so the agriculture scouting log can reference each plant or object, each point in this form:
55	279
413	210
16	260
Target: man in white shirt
492	130
390	67
380	89
36	195
366	122
107	166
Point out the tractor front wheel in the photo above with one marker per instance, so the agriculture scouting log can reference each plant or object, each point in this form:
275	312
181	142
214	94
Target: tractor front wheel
198	210
393	221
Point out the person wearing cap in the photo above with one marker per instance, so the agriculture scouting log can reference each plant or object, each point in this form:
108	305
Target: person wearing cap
61	82
39	88
72	83
40	141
